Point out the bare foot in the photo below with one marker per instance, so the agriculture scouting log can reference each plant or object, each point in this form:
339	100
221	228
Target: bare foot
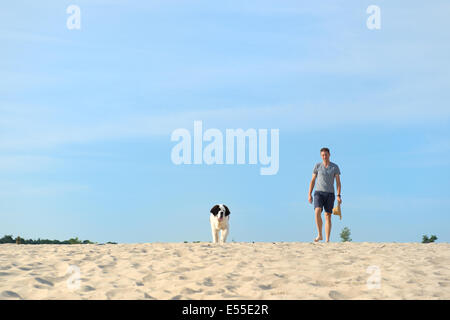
318	238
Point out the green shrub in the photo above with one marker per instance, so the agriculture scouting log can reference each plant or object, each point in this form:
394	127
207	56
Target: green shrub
345	235
425	238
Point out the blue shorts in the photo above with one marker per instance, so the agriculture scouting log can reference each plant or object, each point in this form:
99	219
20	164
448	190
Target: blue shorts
324	200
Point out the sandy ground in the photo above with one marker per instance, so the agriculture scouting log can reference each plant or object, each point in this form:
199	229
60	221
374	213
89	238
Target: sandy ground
232	271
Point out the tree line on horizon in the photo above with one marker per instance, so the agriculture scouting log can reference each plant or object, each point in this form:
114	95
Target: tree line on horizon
10	239
345	237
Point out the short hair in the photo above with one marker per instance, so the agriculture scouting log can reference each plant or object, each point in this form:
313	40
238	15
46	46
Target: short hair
325	149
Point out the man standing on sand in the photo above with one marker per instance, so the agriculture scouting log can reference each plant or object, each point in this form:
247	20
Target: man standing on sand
324	172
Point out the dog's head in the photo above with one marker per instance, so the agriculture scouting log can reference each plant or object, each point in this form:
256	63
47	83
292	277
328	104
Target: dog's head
220	211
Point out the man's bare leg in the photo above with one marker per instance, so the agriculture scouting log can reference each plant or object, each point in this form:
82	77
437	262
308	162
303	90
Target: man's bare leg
327	226
318	212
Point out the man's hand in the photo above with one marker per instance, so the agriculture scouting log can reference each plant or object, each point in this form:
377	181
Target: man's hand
311	187
338	188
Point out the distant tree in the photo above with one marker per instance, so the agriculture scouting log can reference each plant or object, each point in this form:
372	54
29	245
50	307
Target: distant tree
425	238
7	239
74	241
345	235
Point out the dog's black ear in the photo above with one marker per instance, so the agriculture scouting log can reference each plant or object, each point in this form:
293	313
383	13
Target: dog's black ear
227	211
215	209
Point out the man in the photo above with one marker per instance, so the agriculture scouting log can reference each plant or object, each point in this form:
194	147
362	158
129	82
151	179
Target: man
324	172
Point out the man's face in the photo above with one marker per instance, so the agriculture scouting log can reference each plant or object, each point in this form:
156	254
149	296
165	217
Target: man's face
325	156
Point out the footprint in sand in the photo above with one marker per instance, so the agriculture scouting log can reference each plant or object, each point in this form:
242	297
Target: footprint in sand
232	275
87	288
279	275
228	296
147	296
43	281
147	278
182	269
25	268
247	278
230	288
320	283
10	294
208	282
265	287
177	253
336	295
190	291
111	293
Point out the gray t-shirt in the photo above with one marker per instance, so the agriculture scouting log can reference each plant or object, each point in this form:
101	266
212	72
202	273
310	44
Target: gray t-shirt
325	176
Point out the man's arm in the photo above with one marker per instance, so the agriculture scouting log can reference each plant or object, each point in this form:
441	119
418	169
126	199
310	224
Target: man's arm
311	187
338	188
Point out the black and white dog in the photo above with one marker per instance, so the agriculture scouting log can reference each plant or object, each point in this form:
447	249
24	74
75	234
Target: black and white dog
220	214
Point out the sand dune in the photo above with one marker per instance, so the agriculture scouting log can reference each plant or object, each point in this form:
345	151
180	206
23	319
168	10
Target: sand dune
231	271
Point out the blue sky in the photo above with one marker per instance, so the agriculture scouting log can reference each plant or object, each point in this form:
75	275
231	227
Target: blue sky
86	117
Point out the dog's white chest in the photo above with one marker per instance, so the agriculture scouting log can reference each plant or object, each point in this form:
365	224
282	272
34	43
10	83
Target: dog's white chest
219	224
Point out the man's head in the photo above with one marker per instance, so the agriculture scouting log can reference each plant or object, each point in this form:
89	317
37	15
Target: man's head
325	154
